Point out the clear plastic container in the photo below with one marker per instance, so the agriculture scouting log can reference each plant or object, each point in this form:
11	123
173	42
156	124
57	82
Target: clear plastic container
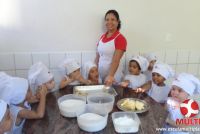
73	106
103	100
92	119
125	122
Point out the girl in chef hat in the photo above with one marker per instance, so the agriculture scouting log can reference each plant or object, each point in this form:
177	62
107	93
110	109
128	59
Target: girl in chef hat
157	88
152	59
39	75
136	78
5	118
70	70
185	86
90	72
16	92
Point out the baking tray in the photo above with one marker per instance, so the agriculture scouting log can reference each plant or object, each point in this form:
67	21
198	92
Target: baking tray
86	90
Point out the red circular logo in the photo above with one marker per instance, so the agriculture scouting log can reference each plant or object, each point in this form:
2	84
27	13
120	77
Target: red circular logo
189	108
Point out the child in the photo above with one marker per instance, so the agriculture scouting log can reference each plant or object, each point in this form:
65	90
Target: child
90	72
39	75
183	87
5	118
157	88
152	60
70	70
136	78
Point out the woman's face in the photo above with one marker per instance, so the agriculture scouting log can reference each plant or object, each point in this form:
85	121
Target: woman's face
178	93
111	22
50	84
93	74
6	123
157	78
134	68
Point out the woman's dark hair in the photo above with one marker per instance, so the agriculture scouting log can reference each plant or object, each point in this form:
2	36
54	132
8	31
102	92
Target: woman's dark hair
136	63
115	13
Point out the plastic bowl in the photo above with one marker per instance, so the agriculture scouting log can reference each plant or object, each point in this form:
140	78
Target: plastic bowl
92	120
125	122
73	106
103	100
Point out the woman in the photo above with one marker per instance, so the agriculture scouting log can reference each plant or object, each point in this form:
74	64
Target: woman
110	50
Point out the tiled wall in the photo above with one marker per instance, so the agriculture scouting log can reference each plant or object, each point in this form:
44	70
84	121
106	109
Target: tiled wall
17	64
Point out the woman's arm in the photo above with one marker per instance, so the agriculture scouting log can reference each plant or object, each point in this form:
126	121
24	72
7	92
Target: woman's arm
114	66
96	61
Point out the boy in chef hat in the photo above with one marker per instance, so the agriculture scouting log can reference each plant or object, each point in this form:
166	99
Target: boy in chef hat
16	92
157	88
70	70
152	59
136	78
5	118
90	72
39	75
185	86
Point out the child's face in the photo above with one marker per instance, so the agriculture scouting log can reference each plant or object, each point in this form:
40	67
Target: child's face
134	68
75	74
6	123
157	78
93	74
151	64
178	93
50	84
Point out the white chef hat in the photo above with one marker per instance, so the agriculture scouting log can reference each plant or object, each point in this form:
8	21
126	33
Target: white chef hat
86	68
164	70
3	108
143	63
38	74
150	56
68	66
188	83
13	90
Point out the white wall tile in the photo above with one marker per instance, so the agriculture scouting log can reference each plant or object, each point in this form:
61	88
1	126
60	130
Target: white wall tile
194	57
7	61
161	55
74	55
193	69
11	72
181	68
88	56
57	75
22	73
183	56
23	60
43	57
56	59
171	57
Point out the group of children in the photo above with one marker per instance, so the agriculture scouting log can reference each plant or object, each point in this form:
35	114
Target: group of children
145	74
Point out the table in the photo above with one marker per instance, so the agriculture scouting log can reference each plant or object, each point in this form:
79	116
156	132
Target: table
54	123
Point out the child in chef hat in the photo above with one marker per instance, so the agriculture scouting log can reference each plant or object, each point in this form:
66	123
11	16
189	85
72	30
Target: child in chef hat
39	75
15	91
184	87
90	72
70	70
5	118
152	59
136	78
157	88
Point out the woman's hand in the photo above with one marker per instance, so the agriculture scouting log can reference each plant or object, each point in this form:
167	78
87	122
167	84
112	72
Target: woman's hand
109	80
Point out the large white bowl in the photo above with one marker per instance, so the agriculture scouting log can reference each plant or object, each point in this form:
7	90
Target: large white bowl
72	110
123	126
104	101
90	124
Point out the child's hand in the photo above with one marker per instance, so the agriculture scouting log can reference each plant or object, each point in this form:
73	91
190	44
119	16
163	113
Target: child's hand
124	84
88	82
42	91
139	90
